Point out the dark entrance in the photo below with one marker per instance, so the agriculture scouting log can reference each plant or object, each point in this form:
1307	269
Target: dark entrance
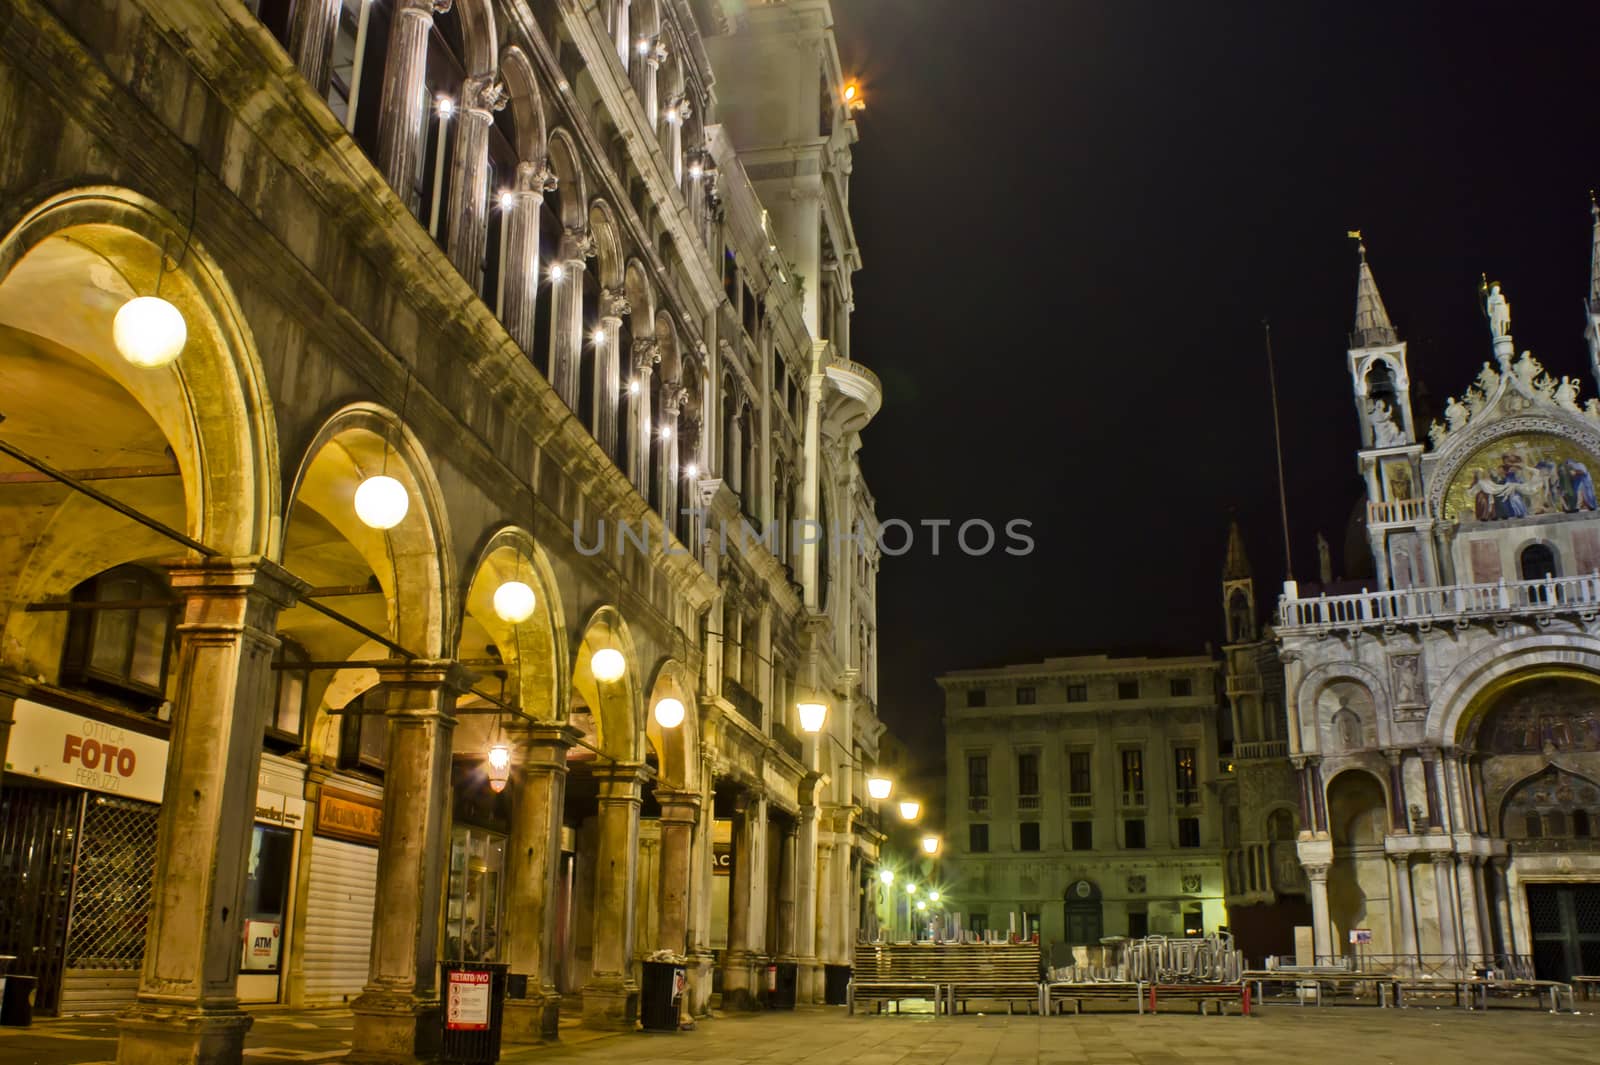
1565	921
38	838
1082	910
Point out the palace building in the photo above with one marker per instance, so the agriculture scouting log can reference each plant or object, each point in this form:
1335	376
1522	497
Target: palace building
416	419
1442	725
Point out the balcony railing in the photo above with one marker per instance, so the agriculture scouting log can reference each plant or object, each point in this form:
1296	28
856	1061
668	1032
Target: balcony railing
1133	798
1187	796
1080	800
1027	802
978	804
1244	752
788	741
1555	595
1248	684
744	701
1398	512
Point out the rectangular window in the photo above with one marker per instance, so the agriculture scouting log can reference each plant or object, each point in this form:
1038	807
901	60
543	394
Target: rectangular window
977	776
1127	689
978	923
1078	773
1132	777
1029	835
1138	924
1188	784
1077	693
1133	833
1182	687
1028	773
1083	835
978	839
977	697
1188	832
266	898
1026	696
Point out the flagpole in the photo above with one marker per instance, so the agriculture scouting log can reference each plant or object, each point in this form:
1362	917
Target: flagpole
1277	441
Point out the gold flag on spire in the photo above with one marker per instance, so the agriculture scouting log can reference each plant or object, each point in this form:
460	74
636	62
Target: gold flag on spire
1354	234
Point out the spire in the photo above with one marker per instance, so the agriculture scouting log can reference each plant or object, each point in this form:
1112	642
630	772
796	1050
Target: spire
1594	258
1237	568
1373	327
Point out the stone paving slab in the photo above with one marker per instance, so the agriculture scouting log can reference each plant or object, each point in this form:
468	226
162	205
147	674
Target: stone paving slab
1277	1034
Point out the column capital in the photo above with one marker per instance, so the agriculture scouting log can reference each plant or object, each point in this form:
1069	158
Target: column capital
417	674
646	353
224	577
1317	873
543	744
678	807
484	94
622	781
535	179
1393	754
578	244
1441	857
614	303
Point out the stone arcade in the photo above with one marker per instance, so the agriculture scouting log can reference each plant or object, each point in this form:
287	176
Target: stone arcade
555	268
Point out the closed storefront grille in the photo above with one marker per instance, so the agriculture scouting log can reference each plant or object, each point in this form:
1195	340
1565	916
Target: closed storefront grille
340	901
111	904
38	835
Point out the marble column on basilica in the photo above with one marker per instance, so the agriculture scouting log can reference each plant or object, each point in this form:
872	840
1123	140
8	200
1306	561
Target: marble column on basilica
645	356
1444	890
804	947
614	307
404	106
741	984
1479	867
519	281
532	877
1321	930
610	999
397	1014
1502	903
1400	867
468	228
673	395
1467	897
566	331
187	1010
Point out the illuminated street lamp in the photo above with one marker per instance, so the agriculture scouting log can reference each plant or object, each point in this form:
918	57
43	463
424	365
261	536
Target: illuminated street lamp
381	502
499	767
930	844
149	331
910	809
886	876
911	889
608	665
879	787
669	712
514	602
812	715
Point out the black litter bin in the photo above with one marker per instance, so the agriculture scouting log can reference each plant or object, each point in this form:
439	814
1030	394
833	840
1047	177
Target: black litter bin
785	985
663	985
473	997
836	985
16	1002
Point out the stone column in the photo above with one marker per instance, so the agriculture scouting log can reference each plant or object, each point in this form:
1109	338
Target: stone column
482	96
1502	905
397	1014
621	30
701	959
1467	894
846	905
533	871
741	987
645	356
786	936
806	884
314	24
611	998
822	901
1321	931
614	307
404	108
566	330
519	284
187	1010
1443	886
1401	864
673	395
680	813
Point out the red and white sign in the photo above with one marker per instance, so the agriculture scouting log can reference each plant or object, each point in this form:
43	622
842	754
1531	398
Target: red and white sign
261	943
70	749
466	1004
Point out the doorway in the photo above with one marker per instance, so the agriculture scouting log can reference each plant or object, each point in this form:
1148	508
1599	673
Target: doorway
1564	920
1082	910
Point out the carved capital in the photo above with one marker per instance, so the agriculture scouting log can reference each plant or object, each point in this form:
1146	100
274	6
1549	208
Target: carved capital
429	8
536	177
1317	873
484	94
672	396
646	353
614	303
580	243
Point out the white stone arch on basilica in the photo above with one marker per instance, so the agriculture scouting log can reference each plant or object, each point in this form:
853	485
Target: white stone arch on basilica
1310	722
1466	691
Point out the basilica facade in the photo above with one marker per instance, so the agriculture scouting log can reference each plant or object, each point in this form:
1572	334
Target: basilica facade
1443	724
422	421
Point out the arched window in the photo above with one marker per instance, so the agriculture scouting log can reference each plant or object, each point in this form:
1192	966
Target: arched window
1538	561
442	82
119	637
1240	629
1380	382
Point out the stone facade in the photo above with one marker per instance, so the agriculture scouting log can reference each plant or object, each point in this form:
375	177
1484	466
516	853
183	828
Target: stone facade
1084	792
576	276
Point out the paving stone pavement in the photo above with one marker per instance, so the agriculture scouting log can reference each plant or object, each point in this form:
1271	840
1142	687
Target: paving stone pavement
1276	1035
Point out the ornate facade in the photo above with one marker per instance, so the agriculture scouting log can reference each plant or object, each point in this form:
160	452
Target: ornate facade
1444	724
575	278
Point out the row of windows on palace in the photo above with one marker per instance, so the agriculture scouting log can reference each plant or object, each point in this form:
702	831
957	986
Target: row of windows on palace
1080	779
353	94
1080	835
1028	695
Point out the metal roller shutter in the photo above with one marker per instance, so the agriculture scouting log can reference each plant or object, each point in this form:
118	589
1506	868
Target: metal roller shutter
340	904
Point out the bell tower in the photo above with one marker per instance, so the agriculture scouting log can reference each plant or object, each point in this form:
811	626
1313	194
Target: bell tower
1378	367
1592	304
1238	591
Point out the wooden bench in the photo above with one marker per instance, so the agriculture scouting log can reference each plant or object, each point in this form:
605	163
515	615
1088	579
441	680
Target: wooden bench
1008	973
1201	994
1061	992
946	973
1464	990
884	973
1538	988
1586	984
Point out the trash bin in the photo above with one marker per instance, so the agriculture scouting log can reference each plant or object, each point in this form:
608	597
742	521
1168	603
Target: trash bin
662	987
782	985
16	1003
836	985
473	994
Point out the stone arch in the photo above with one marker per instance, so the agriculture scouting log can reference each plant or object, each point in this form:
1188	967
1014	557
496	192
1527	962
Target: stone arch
608	245
641	295
617	707
667	346
67	265
534	651
1468	691
1545	803
1321	679
677	749
478	36
412	561
527	105
1367	794
563	157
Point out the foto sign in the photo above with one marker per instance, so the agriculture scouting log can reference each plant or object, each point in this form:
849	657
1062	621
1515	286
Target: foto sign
72	749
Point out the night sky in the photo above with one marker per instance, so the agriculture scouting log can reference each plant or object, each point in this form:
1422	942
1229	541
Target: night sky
1074	216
